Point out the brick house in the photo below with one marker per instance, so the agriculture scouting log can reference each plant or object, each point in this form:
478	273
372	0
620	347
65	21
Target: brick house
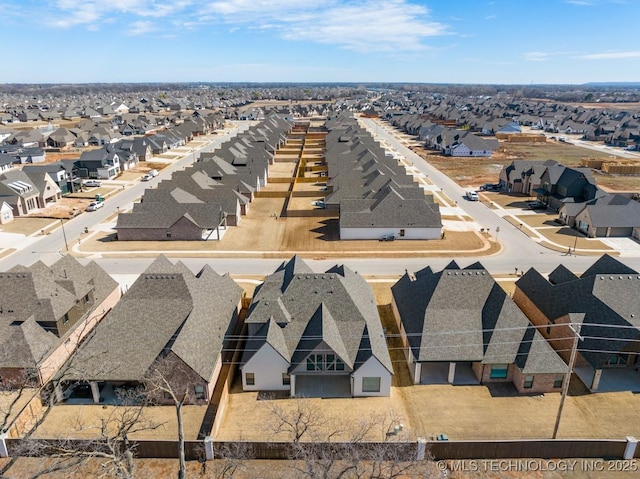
459	326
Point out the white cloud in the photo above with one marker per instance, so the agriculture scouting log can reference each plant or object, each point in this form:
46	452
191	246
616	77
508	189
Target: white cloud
537	56
580	3
141	27
69	13
490	17
361	25
611	55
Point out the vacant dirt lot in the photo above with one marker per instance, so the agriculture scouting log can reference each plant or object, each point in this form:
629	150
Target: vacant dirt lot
477	171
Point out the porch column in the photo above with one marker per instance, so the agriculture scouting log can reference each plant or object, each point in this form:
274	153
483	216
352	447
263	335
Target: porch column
95	391
596	379
417	373
59	393
292	384
452	372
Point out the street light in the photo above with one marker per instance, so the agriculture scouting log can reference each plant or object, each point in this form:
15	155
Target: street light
64	235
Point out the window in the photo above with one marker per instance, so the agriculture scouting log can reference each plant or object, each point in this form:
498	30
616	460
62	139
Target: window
528	382
402	233
250	379
286	379
65	318
86	299
168	233
199	390
324	362
558	380
499	371
370	385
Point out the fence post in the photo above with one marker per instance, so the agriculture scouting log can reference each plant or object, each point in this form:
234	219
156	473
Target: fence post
208	448
630	449
4	452
422	449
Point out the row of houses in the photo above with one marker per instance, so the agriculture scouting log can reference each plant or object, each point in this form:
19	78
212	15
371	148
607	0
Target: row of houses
490	115
573	193
373	193
200	202
313	334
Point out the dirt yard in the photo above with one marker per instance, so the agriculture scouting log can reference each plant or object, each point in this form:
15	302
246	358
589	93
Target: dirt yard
461	412
83	421
477	171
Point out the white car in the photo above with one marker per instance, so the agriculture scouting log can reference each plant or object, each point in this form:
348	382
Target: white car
95	205
472	196
146	177
91	183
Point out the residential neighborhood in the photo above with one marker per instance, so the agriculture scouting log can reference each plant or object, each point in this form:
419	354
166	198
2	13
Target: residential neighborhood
241	261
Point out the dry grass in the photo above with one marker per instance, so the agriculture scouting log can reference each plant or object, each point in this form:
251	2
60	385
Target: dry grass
477	171
567	236
83	421
29	225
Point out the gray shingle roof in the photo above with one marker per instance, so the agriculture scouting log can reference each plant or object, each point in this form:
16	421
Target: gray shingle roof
607	294
166	308
335	309
41	294
464	315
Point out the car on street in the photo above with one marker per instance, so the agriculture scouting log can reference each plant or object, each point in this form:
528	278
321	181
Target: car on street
146	177
95	205
472	196
91	183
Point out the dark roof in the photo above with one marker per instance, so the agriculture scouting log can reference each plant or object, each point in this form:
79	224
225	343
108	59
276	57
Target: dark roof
166	308
33	297
464	315
607	294
335	309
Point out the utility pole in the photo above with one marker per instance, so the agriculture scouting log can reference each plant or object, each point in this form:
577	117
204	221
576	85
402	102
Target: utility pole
64	235
567	377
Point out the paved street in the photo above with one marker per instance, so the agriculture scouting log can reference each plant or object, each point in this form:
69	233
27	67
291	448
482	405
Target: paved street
519	250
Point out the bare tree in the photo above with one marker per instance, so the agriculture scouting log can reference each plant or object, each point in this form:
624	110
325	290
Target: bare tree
334	448
169	379
301	420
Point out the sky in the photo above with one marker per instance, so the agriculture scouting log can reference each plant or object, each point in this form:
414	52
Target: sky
359	41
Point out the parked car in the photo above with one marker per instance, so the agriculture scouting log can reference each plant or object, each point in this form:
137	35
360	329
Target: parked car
146	177
388	238
472	196
95	205
490	187
153	173
91	183
319	203
536	205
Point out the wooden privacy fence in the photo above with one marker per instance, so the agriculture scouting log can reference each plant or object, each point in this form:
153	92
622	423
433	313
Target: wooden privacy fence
437	450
